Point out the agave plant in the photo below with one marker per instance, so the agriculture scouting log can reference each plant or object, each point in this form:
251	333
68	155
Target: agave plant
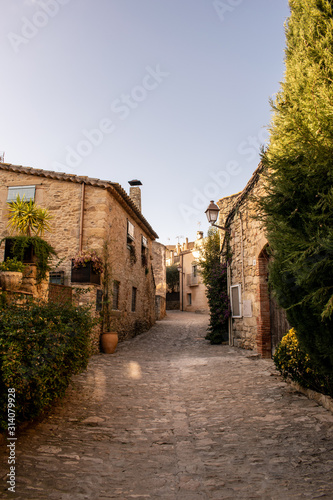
27	218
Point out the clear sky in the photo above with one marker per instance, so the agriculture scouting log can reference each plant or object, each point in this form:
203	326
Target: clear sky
174	93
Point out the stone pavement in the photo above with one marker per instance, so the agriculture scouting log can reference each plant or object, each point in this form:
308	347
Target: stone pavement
171	417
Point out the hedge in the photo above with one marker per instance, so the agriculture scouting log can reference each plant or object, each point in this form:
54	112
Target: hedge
294	363
41	346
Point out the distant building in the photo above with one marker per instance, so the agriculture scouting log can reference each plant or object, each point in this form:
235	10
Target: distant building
159	263
192	291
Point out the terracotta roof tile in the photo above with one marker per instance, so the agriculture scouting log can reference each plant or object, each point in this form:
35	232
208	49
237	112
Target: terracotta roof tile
62	176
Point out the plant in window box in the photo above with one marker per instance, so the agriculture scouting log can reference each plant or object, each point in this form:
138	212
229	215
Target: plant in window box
11	273
29	222
87	267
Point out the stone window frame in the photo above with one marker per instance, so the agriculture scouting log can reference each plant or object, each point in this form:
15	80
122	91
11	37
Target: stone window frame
22	191
57	277
144	250
130	232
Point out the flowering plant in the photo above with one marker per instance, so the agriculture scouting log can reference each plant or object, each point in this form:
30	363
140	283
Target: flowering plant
82	259
294	363
12	265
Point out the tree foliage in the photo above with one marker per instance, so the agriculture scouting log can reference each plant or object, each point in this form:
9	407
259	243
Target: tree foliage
298	204
214	275
172	277
26	218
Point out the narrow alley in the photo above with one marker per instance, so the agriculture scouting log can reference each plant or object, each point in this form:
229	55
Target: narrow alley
169	416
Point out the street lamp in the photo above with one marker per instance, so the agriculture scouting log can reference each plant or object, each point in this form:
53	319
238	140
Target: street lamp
212	214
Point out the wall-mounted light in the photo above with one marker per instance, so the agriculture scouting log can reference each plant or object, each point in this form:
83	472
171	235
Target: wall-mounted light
212	214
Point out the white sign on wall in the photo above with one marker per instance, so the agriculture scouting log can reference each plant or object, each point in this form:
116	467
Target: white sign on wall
247	308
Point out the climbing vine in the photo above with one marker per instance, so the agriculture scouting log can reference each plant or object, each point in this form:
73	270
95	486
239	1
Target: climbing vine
214	274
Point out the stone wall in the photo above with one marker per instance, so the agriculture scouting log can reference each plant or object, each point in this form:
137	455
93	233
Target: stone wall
247	241
105	216
159	267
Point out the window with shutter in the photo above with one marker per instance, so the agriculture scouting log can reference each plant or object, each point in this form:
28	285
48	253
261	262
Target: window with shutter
235	299
26	192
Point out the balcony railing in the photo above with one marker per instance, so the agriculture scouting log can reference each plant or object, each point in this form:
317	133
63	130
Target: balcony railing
192	280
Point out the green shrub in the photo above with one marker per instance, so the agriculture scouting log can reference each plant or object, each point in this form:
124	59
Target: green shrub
292	362
214	275
42	251
41	347
12	265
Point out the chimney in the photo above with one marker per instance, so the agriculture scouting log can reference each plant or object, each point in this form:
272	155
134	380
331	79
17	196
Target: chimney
135	192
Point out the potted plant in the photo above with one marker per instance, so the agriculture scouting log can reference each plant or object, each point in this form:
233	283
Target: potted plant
109	338
87	267
11	273
29	222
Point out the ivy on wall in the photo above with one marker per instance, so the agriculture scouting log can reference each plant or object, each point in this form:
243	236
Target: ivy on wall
214	274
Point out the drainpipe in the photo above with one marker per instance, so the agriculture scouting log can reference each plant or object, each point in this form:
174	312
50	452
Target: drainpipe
81	216
182	271
242	252
231	332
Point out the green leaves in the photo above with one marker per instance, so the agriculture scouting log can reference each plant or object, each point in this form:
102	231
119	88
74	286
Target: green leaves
26	218
41	347
214	275
298	204
293	362
12	265
172	277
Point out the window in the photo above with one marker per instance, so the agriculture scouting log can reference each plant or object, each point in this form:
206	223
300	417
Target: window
194	270
130	232
235	299
189	299
144	251
115	295
134	292
57	277
27	191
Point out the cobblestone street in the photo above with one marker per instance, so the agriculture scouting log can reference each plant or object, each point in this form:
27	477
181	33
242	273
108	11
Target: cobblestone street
169	416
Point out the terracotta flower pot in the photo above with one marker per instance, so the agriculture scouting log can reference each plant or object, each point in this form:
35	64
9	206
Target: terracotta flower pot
10	280
109	342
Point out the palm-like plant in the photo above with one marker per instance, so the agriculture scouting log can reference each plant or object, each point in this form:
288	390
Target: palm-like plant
27	218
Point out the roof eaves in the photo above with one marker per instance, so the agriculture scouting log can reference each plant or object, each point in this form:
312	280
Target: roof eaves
87	180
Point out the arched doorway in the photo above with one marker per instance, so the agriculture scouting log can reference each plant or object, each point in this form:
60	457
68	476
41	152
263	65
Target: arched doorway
272	322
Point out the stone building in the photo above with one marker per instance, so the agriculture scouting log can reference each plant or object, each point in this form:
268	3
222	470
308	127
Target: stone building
159	260
257	322
192	291
91	214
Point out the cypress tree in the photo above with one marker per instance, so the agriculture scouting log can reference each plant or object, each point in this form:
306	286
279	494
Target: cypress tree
297	209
